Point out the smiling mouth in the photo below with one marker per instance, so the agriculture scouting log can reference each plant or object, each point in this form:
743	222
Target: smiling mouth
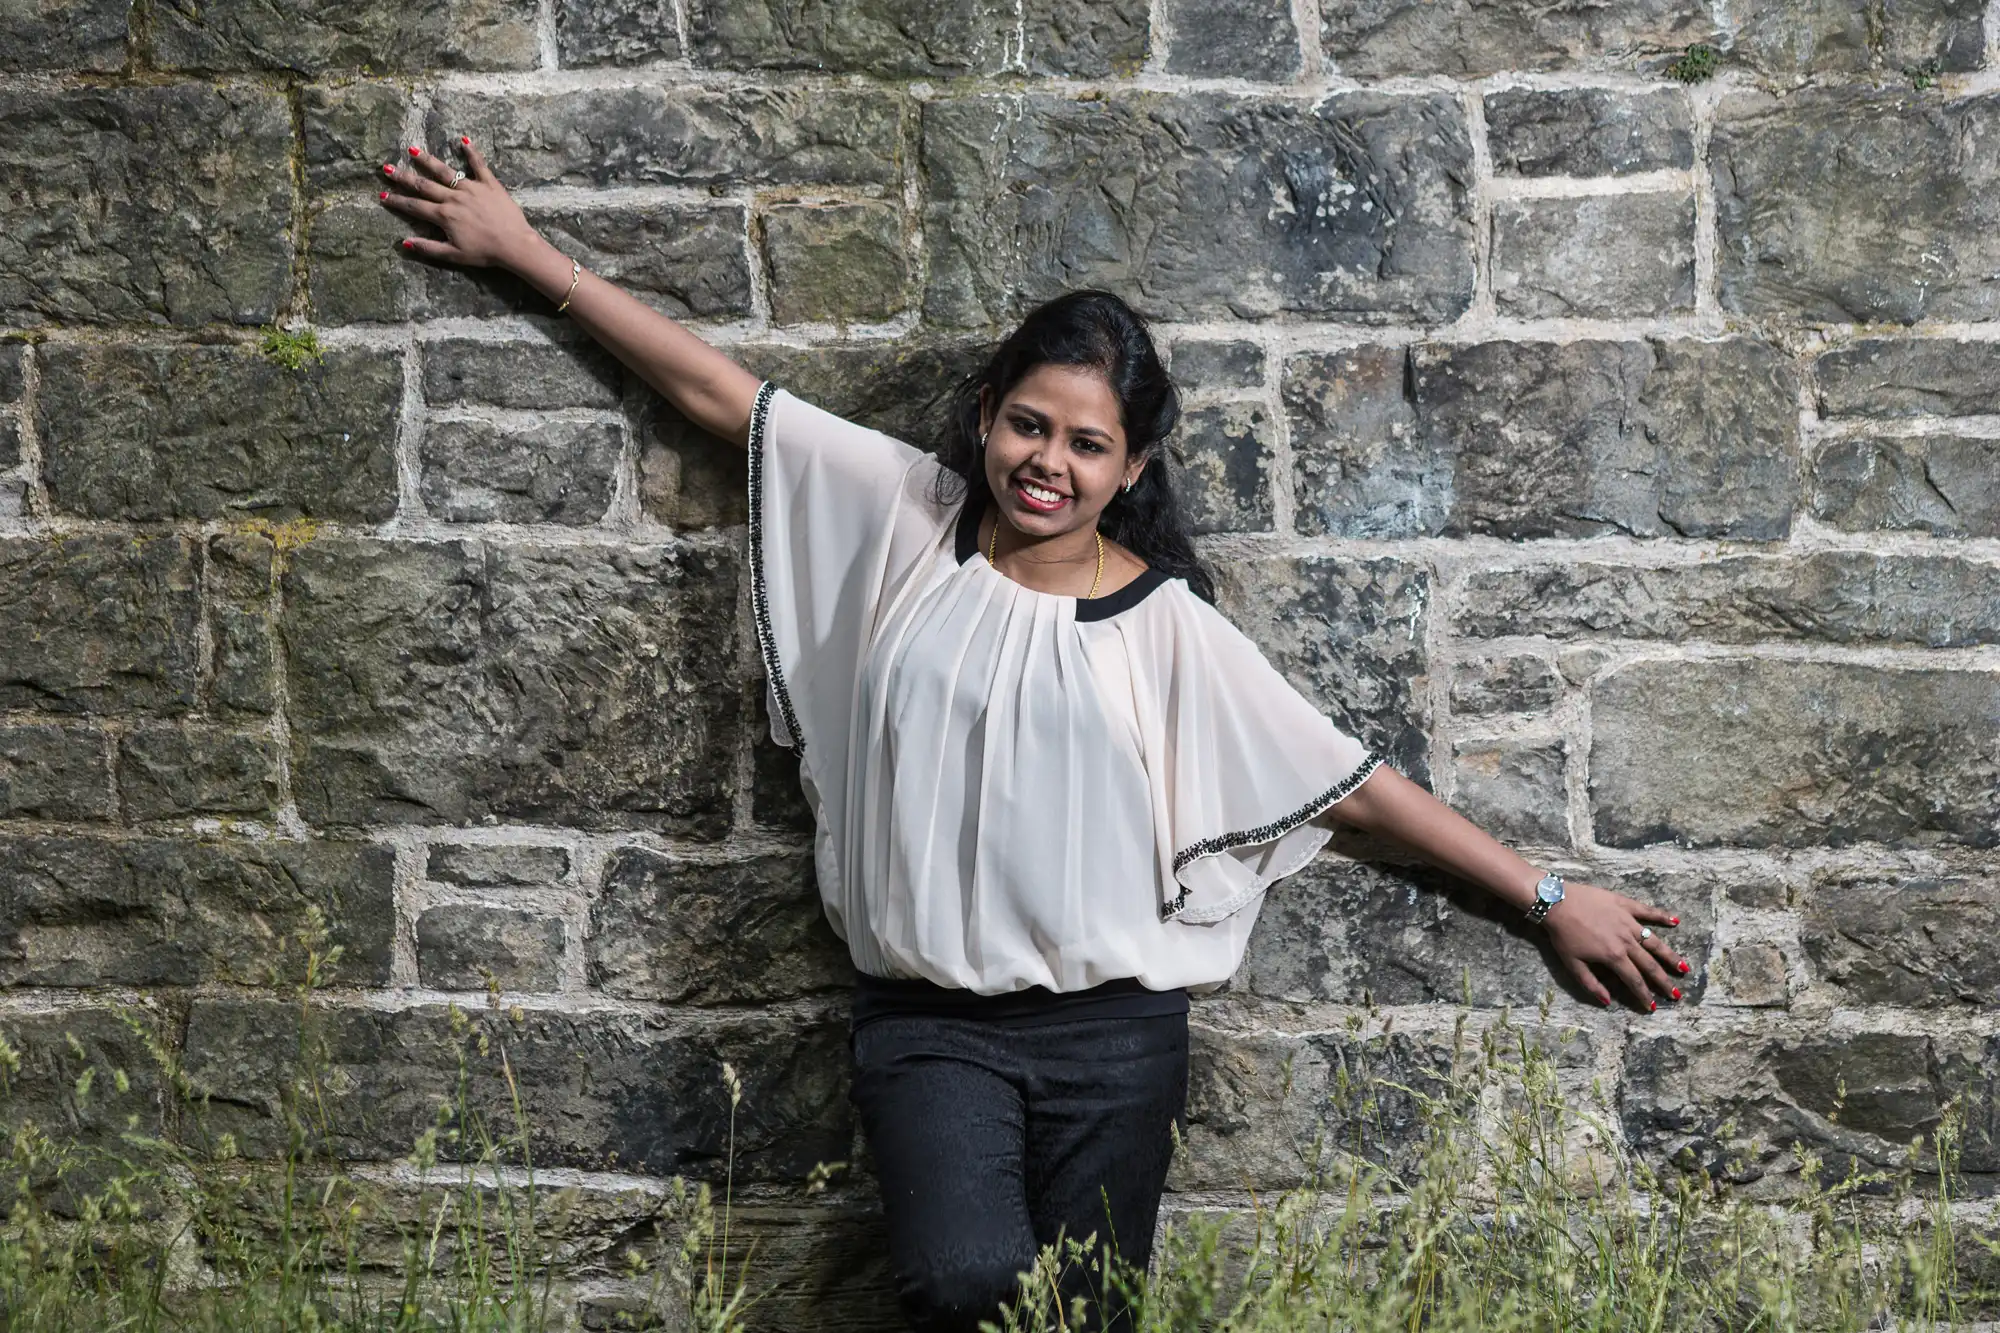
1039	498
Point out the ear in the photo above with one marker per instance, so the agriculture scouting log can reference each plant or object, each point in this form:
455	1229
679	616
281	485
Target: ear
1135	465
985	409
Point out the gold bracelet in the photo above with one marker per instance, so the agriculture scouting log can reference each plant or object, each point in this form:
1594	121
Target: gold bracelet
575	272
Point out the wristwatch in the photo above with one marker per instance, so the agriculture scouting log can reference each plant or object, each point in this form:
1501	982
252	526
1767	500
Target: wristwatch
1548	892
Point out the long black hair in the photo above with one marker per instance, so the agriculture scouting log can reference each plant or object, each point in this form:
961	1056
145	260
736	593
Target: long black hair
1097	330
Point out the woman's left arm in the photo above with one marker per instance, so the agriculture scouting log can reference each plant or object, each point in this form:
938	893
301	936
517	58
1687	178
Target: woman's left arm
1590	924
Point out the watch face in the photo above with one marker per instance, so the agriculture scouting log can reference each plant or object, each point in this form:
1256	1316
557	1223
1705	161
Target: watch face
1549	890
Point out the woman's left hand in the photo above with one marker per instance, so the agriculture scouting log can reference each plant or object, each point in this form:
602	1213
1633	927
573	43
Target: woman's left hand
1595	925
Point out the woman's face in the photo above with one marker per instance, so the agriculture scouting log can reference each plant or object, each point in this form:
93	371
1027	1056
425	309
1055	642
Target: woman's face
1055	450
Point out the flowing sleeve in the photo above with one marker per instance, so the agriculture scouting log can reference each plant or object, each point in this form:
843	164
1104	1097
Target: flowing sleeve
840	515
1241	764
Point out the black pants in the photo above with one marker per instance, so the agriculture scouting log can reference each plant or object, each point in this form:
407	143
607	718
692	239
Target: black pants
989	1140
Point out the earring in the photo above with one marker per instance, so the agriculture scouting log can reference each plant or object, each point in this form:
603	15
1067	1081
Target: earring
982	439
1128	485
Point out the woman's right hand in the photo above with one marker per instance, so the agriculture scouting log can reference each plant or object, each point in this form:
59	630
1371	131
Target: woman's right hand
482	224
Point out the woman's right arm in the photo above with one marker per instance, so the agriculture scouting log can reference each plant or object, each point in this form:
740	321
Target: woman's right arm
484	227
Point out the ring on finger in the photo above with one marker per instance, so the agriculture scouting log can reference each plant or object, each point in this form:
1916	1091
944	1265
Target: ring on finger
1645	932
456	177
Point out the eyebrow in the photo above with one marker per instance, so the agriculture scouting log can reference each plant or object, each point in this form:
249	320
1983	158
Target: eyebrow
1042	419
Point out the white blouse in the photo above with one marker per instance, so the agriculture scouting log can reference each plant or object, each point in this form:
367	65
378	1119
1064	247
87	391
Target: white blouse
1013	787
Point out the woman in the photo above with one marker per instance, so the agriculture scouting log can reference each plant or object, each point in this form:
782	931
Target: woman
1051	782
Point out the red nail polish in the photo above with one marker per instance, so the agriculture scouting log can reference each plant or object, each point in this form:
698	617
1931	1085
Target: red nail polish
385	194
1675	922
1651	1006
1684	965
416	151
1677	992
389	170
1607	1002
465	139
409	245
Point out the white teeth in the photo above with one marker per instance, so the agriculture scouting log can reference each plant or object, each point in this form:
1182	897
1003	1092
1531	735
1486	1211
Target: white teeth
1039	493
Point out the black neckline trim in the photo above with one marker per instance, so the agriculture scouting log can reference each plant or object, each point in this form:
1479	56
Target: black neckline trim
1087	608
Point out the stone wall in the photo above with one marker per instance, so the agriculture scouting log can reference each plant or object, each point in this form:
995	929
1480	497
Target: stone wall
1617	451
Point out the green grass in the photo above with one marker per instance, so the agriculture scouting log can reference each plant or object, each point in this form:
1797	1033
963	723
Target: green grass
1697	64
294	349
1515	1209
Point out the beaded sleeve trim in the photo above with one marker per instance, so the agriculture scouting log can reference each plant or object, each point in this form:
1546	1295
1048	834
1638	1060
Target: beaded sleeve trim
760	607
1270	832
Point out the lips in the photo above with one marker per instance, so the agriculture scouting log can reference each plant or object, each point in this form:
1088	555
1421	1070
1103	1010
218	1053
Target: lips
1039	498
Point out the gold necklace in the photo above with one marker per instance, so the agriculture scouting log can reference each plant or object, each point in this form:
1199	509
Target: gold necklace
994	545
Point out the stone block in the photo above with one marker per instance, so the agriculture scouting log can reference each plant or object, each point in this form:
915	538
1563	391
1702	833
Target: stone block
1262	1110
52	771
616	32
459	945
1938	601
369	36
60	1046
590	686
836	262
351	130
1740	752
1739	1103
688	479
153	432
170	772
99	623
1662	437
1513	789
1086	39
1199	206
1822	38
1349	635
1900	222
692	932
65	35
1515	683
1588	131
503	865
883	37
680	135
1906	935
357	270
1244	39
547	472
520	374
149	911
1595	257
1942	484
1200	367
1910	377
689	261
1223	469
1753	974
13	370
240	576
159	204
605	1089
1264	1107
1375	39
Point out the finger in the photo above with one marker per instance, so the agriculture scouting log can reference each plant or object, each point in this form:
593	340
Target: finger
1649	968
436	168
475	161
1651	915
1588	980
1673	962
1635	983
410	181
420	209
433	252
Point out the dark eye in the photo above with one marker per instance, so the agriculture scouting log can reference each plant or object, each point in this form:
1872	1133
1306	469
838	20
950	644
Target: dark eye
1086	443
1026	427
